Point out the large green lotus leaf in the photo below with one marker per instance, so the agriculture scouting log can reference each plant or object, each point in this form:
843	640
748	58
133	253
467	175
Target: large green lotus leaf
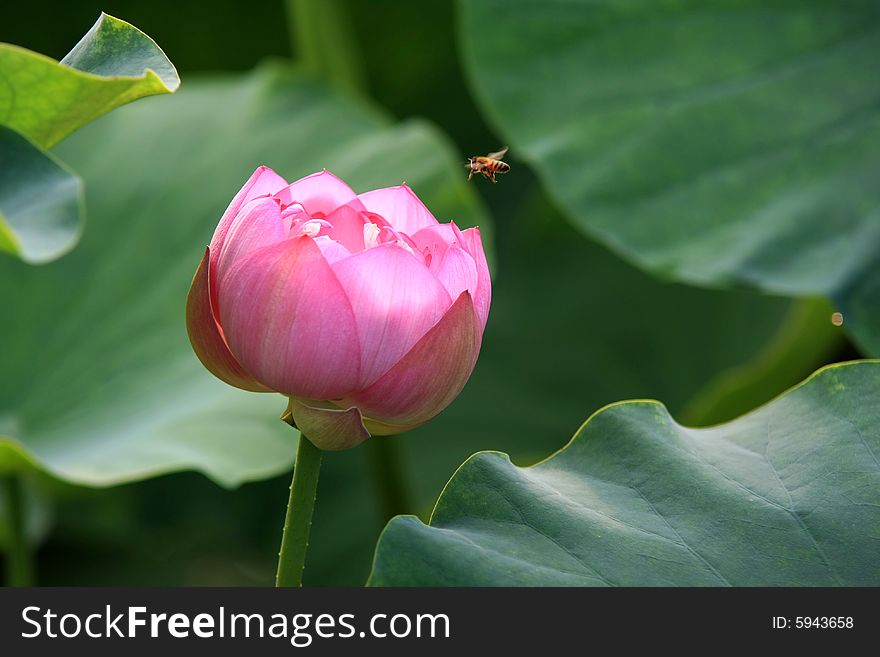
113	64
40	201
715	142
99	383
574	327
41	102
786	495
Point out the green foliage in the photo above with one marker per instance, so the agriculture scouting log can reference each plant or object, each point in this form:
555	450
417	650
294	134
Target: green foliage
615	108
41	102
573	328
40	200
712	142
113	64
787	495
133	401
315	24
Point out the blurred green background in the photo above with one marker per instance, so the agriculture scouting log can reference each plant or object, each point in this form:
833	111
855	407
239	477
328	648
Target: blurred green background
572	326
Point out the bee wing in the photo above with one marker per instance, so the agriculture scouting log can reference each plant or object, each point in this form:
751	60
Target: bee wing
498	155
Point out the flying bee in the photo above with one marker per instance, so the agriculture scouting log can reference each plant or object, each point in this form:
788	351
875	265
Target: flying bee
488	165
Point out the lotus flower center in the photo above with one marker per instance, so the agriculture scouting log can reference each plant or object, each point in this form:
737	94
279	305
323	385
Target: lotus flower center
375	235
371	235
312	228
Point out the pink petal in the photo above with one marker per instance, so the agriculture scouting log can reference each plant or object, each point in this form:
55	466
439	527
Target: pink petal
473	244
329	429
456	270
288	320
395	300
257	224
333	251
262	182
320	194
348	227
206	337
436	239
428	377
400	207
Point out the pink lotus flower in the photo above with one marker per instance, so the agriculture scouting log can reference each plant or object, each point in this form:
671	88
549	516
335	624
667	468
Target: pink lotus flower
363	309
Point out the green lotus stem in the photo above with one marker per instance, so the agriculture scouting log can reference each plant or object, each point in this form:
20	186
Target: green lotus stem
19	561
298	521
386	462
315	23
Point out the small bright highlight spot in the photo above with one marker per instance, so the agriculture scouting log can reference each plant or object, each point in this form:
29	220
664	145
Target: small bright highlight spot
837	319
